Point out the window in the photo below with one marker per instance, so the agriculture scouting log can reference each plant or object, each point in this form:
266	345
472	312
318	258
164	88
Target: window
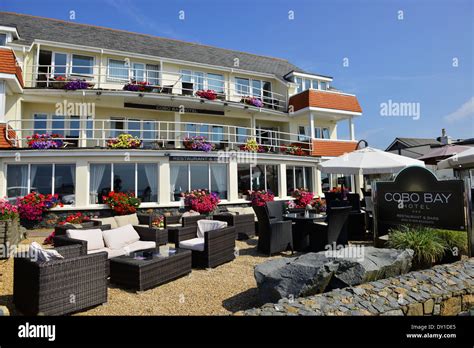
193	176
297	178
117	69
299	84
242	86
217	133
319	133
42	178
324	86
82	65
58	125
256	88
241	134
59	64
140	179
216	82
307	84
153	74
116	127
40	123
260	177
315	84
200	80
138	72
3	39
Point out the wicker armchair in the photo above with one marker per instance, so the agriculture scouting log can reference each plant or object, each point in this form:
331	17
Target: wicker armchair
244	224
219	246
60	287
173	224
332	231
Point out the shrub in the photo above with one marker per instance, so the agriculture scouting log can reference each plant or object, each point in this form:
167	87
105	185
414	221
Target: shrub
122	203
453	240
32	206
8	211
259	198
202	201
428	247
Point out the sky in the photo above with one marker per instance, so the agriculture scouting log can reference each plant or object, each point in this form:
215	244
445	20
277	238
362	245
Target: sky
416	56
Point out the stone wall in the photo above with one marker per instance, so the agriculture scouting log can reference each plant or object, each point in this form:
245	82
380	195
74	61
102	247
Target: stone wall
442	290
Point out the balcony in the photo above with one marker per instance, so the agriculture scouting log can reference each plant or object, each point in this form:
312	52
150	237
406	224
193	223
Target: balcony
157	135
156	83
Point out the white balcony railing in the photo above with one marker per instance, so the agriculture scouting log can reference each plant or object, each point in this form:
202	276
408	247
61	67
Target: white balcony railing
89	133
160	81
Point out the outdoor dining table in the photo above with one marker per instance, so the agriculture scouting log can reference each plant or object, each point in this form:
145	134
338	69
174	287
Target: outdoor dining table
303	226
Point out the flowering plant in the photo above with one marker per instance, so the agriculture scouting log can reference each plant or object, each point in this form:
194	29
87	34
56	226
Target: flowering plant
32	206
209	94
252	101
124	141
8	211
252	146
158	221
45	141
293	149
122	203
198	143
303	198
201	201
75	84
140	86
77	218
259	198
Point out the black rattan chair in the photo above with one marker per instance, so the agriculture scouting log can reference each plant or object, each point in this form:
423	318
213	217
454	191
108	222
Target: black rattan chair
334	230
244	224
274	234
173	224
219	246
62	286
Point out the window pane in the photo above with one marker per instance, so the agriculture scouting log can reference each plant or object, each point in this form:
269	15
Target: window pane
178	180
242	86
17	180
325	185
257	88
219	180
134	127
58	125
216	82
299	180
3	39
60	61
99	182
299	82
198	81
153	74
315	84
118	69
124	178
290	182
147	189
309	178
258	178
149	133
82	65
272	179
317	132
307	84
138	72
217	133
41	177
116	127
241	135
89	127
199	176
325	133
74	125
186	76
243	172
40	124
323	85
64	182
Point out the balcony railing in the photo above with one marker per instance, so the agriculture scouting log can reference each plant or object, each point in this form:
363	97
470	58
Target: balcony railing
159	81
92	133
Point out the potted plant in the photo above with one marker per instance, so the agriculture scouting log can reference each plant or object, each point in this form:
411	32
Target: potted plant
122	203
32	206
77	218
257	102
207	94
9	226
260	197
58	82
202	201
293	149
75	84
45	141
251	145
302	200
124	141
198	143
141	86
158	222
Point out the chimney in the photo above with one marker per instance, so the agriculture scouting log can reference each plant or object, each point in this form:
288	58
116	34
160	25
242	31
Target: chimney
444	139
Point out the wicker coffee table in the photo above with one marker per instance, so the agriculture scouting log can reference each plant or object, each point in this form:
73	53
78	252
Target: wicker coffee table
131	272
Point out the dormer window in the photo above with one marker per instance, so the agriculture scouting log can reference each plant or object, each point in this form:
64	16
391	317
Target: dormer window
8	34
305	81
3	39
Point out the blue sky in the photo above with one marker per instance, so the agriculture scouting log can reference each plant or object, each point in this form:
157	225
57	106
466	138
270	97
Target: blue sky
407	60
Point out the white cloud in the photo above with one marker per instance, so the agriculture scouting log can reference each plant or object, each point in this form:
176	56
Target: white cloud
465	111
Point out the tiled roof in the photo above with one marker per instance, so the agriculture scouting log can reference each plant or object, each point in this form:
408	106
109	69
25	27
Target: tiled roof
4	142
8	64
410	142
325	100
332	148
33	27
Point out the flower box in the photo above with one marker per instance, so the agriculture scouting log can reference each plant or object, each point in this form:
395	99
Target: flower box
45	141
202	201
76	84
209	94
122	203
252	146
124	141
141	86
252	101
198	143
295	150
259	198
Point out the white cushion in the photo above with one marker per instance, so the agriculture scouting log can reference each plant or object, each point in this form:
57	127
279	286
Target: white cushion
188	213
174	225
93	237
248	210
108	221
118	238
123	220
209	225
234	210
111	253
193	244
38	254
139	245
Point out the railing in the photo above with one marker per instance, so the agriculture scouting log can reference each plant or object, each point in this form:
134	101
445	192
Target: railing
88	132
160	81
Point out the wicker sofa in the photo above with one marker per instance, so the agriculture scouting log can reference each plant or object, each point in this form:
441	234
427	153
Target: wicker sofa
219	246
59	287
174	223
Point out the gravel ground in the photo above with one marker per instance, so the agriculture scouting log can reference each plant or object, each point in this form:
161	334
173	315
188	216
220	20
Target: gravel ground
220	291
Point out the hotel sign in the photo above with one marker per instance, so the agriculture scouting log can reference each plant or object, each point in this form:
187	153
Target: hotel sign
192	158
417	197
173	109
